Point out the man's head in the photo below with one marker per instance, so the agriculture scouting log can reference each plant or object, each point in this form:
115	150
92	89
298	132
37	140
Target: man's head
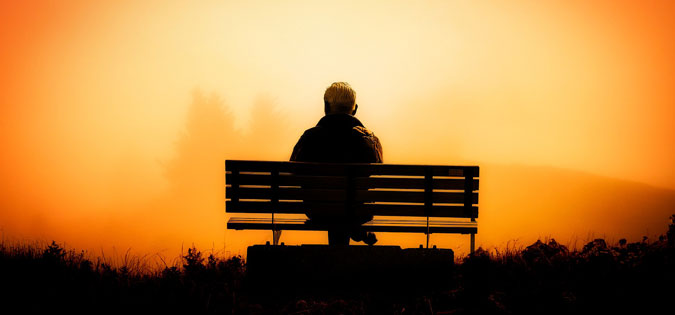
340	98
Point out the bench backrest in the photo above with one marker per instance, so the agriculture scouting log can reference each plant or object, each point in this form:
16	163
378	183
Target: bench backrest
378	189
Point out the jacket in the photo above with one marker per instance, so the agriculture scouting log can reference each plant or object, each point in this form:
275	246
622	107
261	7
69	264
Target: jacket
338	138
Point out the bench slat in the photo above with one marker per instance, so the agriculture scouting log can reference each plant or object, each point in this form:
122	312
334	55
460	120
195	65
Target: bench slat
418	210
293	194
335	182
411	196
343	169
340	182
409	226
337	195
412	210
411	183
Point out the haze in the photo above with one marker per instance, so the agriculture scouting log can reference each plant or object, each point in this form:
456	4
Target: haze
117	117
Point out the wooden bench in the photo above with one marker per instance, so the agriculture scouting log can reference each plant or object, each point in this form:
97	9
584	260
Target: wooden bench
435	198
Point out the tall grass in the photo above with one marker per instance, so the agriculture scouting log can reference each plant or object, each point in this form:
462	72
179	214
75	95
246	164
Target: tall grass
542	278
39	277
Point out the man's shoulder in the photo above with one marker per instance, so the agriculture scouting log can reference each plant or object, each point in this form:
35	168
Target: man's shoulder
368	145
364	134
321	133
362	131
312	132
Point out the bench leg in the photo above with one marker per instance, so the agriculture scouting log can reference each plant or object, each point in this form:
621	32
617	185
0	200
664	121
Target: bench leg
473	242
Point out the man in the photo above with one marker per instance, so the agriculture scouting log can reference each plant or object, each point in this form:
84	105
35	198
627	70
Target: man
341	138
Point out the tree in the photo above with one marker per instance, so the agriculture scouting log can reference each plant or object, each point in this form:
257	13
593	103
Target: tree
197	168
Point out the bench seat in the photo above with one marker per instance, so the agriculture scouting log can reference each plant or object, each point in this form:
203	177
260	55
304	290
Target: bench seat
375	225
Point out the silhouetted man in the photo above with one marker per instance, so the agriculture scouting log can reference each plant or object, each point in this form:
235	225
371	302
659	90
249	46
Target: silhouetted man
339	137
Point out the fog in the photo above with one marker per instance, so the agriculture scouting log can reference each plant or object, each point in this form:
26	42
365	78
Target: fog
117	118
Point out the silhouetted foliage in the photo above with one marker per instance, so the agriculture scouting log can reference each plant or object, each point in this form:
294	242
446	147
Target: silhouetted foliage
671	231
543	278
54	253
194	262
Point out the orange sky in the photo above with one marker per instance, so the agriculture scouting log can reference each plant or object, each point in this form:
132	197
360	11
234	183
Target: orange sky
94	97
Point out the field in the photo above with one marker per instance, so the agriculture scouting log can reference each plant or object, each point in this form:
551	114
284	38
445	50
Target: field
543	278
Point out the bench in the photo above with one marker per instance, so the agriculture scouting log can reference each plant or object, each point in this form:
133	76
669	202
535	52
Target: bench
434	198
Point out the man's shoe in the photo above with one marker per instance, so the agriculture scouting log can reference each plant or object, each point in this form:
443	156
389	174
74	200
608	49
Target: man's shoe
358	235
370	239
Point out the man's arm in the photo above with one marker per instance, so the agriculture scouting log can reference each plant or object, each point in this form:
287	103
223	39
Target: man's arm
370	150
378	151
296	150
302	148
374	150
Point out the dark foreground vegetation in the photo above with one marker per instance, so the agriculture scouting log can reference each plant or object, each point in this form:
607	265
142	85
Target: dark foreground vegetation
543	278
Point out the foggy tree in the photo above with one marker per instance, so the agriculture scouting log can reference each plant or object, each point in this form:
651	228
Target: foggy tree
198	165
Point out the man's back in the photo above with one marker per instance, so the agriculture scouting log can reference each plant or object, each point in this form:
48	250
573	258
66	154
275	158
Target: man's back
338	138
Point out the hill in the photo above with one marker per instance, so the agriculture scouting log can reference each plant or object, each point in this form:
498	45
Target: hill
529	202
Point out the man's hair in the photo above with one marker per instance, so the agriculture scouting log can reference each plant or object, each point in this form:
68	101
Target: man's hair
340	98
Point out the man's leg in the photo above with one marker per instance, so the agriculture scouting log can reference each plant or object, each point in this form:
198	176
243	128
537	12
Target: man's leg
338	237
276	235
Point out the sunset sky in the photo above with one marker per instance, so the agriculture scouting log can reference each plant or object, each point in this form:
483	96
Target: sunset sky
95	106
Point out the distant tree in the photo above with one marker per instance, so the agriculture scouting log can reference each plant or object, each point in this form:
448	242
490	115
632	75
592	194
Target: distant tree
193	209
198	165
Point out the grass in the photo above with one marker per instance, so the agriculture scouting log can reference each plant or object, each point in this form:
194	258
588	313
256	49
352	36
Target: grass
39	278
543	278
